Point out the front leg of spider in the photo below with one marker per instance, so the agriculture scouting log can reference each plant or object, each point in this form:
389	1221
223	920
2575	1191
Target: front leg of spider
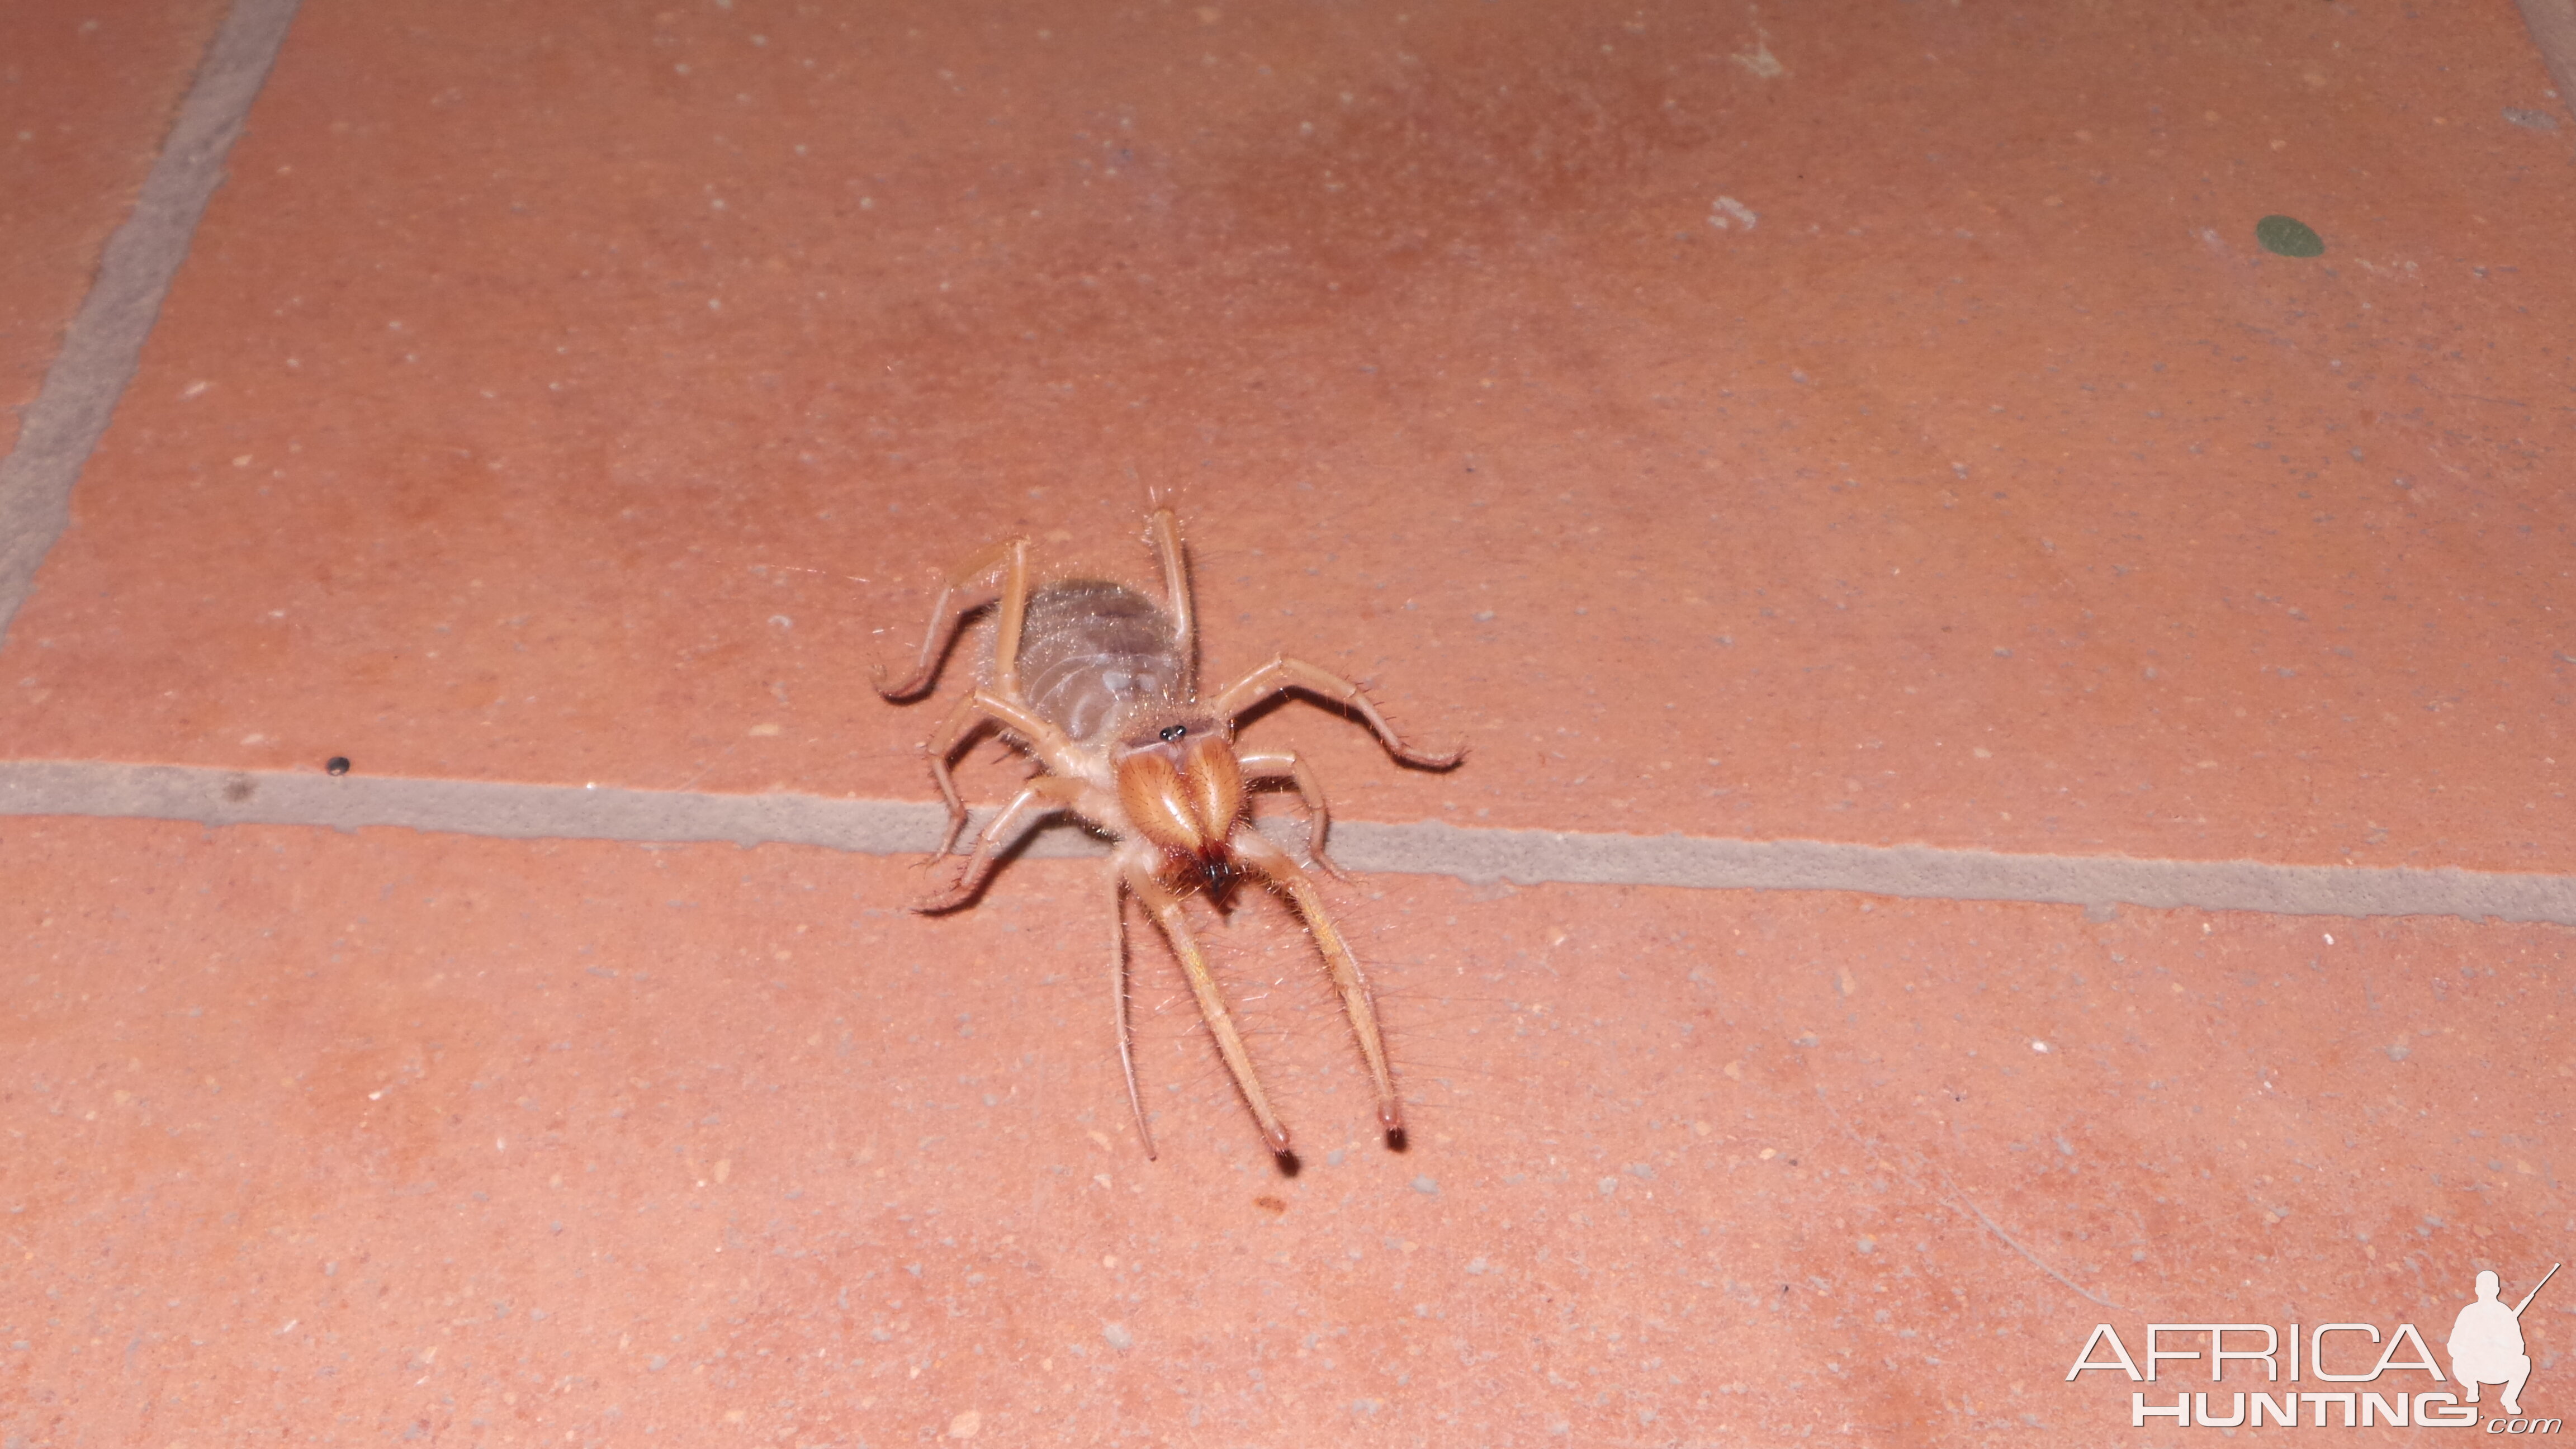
1286	765
1044	795
1137	865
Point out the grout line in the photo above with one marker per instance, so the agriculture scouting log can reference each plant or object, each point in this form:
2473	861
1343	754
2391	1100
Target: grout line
105	341
1526	857
2553	32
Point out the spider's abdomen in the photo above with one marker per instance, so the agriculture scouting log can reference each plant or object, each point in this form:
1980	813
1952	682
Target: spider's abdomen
1092	651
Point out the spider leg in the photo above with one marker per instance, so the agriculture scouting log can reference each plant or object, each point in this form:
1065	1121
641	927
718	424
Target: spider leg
1118	987
1283	673
962	722
1166	534
1046	793
1274	865
1135	865
1006	628
946	616
973	711
1286	764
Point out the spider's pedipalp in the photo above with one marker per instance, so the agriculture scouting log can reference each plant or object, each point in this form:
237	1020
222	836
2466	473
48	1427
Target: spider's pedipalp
1273	864
1137	863
1118	989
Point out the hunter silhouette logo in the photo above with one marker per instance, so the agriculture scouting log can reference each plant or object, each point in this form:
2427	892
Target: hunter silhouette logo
2486	1347
2486	1341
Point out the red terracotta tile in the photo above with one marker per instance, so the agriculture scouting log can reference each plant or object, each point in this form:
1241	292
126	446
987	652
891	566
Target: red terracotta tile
588	391
86	94
352	1136
588	395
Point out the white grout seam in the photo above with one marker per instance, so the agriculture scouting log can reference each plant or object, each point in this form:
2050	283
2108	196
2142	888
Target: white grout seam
105	341
1529	857
2553	33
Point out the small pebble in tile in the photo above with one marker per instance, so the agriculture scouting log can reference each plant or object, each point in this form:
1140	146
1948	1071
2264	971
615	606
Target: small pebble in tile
2289	237
337	764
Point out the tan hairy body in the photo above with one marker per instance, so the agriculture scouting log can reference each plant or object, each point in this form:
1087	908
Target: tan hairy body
1097	683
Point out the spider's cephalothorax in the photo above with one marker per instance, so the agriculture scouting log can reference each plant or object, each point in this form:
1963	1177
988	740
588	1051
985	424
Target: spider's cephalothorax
1098	683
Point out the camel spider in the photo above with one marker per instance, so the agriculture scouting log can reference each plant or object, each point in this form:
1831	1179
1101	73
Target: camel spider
1098	684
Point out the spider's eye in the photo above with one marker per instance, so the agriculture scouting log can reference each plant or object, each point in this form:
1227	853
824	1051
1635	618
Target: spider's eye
1174	732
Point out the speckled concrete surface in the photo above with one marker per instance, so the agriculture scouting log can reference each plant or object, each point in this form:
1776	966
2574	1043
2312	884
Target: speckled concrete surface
1875	425
86	94
1994	488
557	1143
547	1143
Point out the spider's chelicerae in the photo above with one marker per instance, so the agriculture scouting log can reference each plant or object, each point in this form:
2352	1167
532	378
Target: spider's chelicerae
1098	684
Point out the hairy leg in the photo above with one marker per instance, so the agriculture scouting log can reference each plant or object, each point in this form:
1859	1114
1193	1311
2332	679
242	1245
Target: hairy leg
947	613
1283	673
1118	988
1274	865
1136	869
1044	794
1284	764
1166	534
971	714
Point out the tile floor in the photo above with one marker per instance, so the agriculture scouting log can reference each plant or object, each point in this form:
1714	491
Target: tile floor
1871	423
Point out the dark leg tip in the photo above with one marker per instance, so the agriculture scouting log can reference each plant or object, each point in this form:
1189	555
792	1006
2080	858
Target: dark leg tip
1396	1140
1289	1163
